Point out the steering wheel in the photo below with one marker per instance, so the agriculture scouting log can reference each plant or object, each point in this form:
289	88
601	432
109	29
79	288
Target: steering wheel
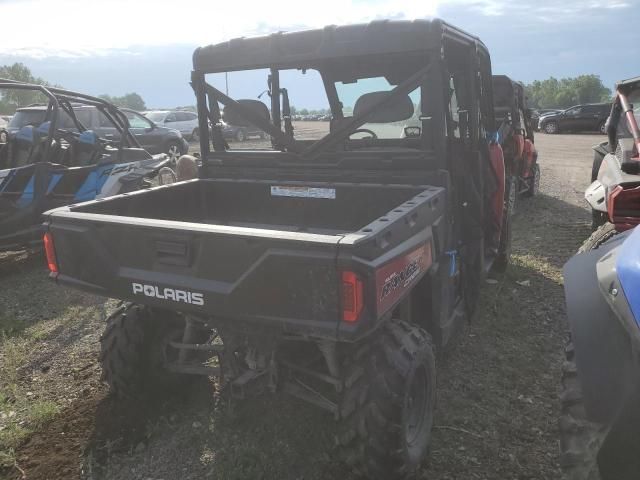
365	130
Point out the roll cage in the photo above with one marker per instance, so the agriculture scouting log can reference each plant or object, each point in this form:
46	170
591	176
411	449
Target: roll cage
620	108
438	48
64	100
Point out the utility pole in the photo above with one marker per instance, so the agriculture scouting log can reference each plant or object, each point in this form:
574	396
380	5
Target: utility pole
226	83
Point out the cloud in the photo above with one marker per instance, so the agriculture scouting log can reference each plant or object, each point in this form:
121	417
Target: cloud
85	27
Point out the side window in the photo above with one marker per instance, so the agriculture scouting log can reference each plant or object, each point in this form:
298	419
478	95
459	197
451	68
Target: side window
180	117
574	111
137	121
103	121
191	116
171	118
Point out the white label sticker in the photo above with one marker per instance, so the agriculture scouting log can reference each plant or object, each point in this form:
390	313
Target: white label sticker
306	192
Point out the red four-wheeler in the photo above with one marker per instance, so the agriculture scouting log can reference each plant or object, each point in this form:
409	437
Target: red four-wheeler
334	269
516	136
614	194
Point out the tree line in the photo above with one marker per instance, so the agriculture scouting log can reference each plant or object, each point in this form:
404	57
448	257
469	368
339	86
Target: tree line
549	93
12	99
566	92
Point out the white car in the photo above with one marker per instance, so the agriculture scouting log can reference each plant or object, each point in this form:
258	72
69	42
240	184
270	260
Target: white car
185	122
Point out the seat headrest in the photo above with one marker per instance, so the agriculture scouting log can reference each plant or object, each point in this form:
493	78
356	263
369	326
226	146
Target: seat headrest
232	117
395	111
43	128
26	133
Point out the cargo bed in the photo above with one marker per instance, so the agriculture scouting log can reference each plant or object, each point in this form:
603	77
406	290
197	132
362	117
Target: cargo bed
260	251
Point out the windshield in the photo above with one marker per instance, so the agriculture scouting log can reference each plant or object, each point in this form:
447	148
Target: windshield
157	117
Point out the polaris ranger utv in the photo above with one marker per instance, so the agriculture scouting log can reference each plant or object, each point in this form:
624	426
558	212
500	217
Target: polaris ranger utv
516	136
54	160
329	269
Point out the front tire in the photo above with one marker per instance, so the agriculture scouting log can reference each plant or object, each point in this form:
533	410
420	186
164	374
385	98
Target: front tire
580	439
501	263
598	237
551	128
386	412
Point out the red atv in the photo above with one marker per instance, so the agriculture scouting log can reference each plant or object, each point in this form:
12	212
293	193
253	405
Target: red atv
516	137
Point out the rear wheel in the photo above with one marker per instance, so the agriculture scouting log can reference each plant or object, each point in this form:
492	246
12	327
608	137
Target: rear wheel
533	182
134	351
501	262
602	128
550	128
386	412
173	151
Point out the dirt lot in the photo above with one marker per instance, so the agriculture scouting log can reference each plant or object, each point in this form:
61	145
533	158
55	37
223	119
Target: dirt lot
497	395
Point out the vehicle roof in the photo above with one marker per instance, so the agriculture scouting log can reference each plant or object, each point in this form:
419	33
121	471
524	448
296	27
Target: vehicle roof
629	81
312	47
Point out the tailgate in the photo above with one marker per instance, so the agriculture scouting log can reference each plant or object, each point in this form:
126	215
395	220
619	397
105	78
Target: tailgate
211	270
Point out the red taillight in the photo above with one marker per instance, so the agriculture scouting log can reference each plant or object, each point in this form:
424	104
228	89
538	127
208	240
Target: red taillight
623	207
50	250
352	297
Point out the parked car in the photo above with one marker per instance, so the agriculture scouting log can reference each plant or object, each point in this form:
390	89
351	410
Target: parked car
614	193
153	138
51	159
185	122
581	118
330	269
241	133
538	113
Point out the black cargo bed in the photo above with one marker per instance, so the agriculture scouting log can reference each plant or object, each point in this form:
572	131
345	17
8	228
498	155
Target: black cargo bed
261	251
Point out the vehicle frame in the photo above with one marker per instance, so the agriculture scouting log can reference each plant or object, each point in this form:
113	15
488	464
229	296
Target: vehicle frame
27	189
614	194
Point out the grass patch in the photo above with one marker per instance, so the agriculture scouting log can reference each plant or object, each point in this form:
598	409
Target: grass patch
13	431
41	413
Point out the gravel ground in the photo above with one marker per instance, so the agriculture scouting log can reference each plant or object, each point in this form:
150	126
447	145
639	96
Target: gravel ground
497	393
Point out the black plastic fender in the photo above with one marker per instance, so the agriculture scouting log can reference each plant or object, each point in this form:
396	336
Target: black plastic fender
602	346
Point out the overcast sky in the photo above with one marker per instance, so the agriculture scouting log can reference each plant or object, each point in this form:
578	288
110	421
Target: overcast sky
145	46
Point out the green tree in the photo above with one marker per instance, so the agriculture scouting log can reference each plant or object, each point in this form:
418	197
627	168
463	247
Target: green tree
130	100
563	93
11	99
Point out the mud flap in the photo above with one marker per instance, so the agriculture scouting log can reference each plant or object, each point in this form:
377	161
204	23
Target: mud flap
602	347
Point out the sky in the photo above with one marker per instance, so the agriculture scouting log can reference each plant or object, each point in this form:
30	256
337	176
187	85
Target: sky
121	46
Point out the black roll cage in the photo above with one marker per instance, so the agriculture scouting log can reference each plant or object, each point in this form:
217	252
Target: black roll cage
61	99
